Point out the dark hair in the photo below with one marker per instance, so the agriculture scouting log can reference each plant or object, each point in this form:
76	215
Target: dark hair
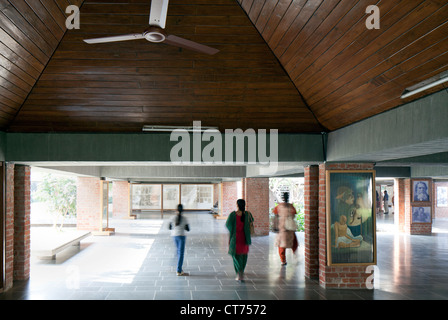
180	208
286	196
242	207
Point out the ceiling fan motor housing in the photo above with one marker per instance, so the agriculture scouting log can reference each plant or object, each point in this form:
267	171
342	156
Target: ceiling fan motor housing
154	34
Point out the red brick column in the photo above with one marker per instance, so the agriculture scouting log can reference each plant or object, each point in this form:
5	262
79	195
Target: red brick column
229	195
257	202
88	204
22	230
121	199
399	205
311	221
341	277
407	205
9	228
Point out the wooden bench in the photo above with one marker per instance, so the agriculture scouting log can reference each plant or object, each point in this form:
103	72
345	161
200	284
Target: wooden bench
48	247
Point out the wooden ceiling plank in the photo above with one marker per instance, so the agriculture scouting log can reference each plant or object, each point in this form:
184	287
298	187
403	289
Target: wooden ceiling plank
345	49
404	42
304	46
304	14
275	18
370	56
51	23
390	90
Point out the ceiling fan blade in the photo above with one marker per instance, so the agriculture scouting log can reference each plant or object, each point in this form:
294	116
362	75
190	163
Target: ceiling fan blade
191	45
125	37
157	15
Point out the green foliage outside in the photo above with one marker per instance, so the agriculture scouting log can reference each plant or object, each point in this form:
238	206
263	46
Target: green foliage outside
59	193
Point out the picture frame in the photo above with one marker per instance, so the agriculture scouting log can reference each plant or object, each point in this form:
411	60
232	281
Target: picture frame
350	217
421	214
421	190
442	196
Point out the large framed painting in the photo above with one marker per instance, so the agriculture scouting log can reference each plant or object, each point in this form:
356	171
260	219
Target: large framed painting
351	221
421	191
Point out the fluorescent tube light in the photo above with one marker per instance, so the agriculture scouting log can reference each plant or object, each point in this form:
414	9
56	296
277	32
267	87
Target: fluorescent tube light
418	88
172	128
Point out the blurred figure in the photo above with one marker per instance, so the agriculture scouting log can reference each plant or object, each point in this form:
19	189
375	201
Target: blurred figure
285	238
178	226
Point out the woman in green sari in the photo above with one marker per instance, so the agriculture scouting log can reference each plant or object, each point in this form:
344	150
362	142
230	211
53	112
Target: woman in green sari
238	224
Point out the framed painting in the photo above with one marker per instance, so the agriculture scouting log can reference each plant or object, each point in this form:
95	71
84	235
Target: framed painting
421	214
351	220
421	191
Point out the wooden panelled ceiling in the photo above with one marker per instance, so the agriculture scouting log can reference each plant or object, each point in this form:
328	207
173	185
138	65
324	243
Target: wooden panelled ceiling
292	65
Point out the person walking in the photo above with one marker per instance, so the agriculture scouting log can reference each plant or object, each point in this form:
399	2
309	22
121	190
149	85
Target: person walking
386	202
238	223
286	238
178	225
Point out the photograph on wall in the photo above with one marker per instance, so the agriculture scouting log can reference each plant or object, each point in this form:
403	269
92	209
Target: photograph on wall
351	224
421	214
442	196
420	191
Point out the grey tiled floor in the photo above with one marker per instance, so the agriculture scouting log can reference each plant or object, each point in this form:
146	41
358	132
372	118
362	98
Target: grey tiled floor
138	262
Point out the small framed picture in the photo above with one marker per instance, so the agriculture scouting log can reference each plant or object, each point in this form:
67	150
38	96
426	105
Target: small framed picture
421	190
421	214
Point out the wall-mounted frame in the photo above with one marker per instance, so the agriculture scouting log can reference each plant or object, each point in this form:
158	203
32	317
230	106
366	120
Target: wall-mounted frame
442	196
351	219
421	190
421	214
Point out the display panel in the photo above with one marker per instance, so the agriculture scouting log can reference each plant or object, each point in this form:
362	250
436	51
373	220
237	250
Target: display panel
146	197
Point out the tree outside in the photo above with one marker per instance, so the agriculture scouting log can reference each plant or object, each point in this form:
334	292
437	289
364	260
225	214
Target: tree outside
57	196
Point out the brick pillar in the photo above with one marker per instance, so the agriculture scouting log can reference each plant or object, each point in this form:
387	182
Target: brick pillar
121	199
311	221
22	231
399	205
229	196
88	204
9	228
256	192
407	205
341	277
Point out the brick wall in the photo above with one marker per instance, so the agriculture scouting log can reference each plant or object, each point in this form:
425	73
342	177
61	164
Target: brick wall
229	196
88	204
341	277
399	205
311	197
9	228
121	199
256	192
22	230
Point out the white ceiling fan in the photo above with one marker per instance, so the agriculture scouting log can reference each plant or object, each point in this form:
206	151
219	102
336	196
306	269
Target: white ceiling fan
155	33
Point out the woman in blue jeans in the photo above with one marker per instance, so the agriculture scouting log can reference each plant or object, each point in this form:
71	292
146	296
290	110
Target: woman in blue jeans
178	226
